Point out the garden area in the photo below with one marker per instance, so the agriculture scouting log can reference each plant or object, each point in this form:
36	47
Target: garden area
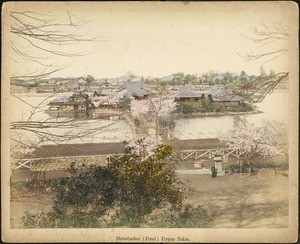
132	196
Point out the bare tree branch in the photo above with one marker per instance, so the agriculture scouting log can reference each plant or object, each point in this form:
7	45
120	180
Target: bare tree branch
43	36
265	35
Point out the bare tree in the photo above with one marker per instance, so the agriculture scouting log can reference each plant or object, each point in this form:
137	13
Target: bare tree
272	40
38	37
36	130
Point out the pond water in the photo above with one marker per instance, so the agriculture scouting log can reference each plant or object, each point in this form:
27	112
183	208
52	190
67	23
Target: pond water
274	107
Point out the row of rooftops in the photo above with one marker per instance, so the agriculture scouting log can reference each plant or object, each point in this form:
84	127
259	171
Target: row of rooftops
136	89
218	95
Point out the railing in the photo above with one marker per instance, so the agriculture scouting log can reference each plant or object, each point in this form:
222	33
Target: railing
206	153
29	163
184	155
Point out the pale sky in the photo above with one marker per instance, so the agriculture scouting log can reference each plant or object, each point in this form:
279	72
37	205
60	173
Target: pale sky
158	39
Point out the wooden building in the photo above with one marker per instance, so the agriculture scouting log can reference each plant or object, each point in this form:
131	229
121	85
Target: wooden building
76	105
226	99
187	95
136	90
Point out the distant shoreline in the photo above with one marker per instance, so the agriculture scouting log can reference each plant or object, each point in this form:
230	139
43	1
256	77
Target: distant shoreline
276	90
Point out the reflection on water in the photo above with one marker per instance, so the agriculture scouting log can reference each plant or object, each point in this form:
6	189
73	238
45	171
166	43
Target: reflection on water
274	107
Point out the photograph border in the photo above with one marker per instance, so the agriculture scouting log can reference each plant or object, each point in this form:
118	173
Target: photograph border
212	235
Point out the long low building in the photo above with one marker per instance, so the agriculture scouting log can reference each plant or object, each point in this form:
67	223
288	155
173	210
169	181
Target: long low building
91	149
62	157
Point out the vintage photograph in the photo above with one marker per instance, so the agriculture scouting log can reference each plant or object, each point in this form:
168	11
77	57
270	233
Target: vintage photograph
149	121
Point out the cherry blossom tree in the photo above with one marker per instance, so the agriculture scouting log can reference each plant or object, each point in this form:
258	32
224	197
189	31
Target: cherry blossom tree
147	132
158	106
144	147
108	97
267	140
35	130
151	110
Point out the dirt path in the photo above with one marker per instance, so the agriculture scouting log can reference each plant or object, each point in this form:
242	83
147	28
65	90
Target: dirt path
240	201
233	201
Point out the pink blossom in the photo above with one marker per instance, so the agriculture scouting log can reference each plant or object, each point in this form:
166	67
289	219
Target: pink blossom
266	140
159	106
144	147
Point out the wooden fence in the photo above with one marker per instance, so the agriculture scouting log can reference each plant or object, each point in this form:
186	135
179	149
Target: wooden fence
207	153
63	163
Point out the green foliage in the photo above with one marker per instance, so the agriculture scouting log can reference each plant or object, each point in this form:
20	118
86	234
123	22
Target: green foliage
187	108
206	105
245	108
137	122
89	80
256	166
187	217
123	103
124	192
167	122
146	185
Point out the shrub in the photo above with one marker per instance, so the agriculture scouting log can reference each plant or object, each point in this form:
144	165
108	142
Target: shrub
123	103
187	108
187	217
124	192
167	122
256	167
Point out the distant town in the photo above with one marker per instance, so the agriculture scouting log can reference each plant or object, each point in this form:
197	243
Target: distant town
173	81
210	93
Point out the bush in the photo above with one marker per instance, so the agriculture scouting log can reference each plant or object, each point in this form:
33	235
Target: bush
137	122
123	103
187	217
187	108
124	192
256	167
167	122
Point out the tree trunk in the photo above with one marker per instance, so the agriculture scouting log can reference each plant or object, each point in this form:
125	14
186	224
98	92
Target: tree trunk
250	163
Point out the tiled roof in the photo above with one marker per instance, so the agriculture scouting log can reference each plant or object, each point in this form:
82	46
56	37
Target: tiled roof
61	99
82	81
187	93
218	92
220	95
136	89
236	98
168	78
